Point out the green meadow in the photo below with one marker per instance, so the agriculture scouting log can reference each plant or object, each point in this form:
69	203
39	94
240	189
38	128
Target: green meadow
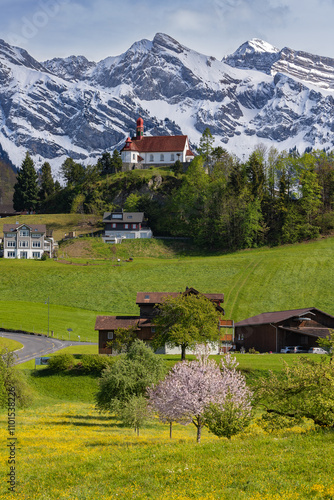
253	281
67	450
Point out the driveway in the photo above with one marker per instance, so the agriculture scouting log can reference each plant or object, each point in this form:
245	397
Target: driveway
35	346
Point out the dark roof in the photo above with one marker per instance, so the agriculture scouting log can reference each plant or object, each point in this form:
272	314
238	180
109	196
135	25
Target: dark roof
158	297
126	217
157	144
277	316
114	322
41	228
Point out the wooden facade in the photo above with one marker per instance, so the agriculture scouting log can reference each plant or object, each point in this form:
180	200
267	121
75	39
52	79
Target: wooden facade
270	332
144	323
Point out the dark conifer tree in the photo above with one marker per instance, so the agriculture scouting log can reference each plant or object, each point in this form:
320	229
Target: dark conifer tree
116	161
26	188
47	185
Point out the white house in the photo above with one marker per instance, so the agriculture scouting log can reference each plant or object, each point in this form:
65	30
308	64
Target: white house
164	149
26	241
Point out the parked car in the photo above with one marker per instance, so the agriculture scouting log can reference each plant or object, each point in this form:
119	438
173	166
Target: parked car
317	350
293	349
300	348
288	349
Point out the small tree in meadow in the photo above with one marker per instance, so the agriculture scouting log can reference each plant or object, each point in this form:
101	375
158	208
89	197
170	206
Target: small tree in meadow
187	392
134	412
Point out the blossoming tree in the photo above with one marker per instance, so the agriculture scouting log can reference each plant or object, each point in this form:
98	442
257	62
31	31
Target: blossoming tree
188	390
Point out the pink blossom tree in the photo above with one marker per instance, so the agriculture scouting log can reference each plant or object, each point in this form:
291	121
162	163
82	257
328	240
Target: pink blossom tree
191	386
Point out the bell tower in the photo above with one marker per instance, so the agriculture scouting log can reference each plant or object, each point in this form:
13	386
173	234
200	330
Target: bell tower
140	129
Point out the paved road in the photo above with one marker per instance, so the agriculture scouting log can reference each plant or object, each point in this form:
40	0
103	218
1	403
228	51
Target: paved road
35	346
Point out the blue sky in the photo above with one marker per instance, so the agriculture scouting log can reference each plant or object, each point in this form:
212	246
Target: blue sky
102	28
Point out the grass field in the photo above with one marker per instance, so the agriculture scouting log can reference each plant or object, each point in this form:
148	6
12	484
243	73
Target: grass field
68	451
10	344
253	281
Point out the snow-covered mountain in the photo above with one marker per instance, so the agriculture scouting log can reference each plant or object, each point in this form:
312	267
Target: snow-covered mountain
78	108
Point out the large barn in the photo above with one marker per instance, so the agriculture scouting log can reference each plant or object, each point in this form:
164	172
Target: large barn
272	331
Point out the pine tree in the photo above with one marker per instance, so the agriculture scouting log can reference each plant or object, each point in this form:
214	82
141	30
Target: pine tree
47	183
26	188
205	148
116	161
104	164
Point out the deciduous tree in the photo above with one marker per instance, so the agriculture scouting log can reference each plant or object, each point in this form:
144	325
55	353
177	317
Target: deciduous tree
188	390
186	320
304	389
128	376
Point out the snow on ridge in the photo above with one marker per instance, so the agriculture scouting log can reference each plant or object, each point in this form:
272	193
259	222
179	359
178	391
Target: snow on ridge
262	46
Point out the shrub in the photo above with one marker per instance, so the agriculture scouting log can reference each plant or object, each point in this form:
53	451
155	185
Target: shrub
95	363
61	362
12	381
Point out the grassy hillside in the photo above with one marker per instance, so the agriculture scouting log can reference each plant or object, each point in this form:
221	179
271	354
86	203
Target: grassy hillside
253	281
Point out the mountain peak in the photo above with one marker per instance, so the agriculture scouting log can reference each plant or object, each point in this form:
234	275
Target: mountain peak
257	45
167	42
254	54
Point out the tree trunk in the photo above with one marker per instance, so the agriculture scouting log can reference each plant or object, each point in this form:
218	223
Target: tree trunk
199	432
183	352
137	431
170	429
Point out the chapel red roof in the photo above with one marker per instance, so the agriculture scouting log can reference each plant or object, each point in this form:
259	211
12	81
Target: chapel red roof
159	143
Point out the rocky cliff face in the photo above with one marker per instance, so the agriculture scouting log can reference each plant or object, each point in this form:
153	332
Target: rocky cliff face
74	107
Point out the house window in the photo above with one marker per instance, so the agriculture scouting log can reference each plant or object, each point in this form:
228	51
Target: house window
11	255
153	329
24	255
36	244
133	156
110	335
24	244
36	235
151	158
117	216
10	235
36	255
162	157
172	157
113	225
11	244
134	226
24	232
126	226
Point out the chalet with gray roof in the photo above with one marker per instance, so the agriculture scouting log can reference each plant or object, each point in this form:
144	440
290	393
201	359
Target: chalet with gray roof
124	225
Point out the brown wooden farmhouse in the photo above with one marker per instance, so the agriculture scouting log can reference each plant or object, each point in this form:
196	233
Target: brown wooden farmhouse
273	331
107	325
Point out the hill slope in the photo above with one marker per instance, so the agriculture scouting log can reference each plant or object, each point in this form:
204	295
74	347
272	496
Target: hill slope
253	281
